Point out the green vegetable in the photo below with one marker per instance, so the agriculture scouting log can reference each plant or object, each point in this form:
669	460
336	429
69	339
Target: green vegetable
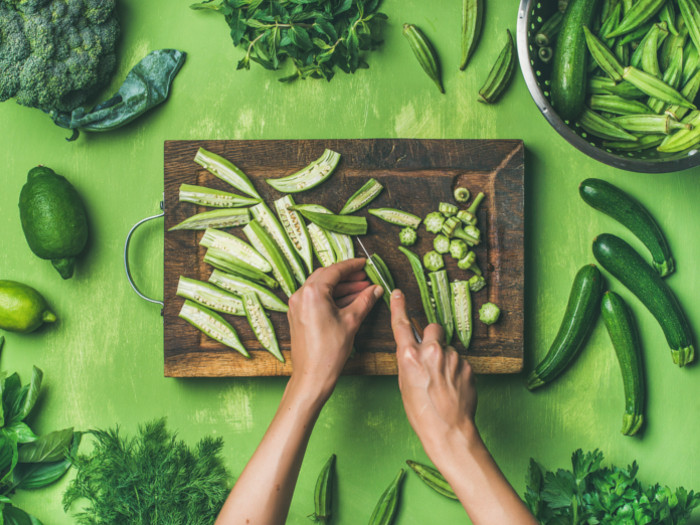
616	105
323	492
384	512
433	222
546	54
262	242
375	278
321	244
261	324
425	53
638	14
55	57
447	209
225	218
362	197
236	247
296	231
547	34
458	249
489	313
432	478
461	194
578	321
314	36
468	262
146	86
462	311
213	198
691	17
238	285
625	339
597	125
466	217
441	244
500	75
654	87
472	16
310	176
213	325
231	264
443	302
591	493
453	228
683	139
476	283
606	59
150	477
408	236
425	298
650	123
227	171
397	217
614	202
433	261
347	224
210	296
569	69
53	219
22	308
624	263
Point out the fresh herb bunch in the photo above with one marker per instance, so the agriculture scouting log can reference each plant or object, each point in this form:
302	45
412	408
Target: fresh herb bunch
317	35
591	494
150	478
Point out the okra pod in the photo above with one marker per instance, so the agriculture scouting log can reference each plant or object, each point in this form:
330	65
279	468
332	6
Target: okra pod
408	236
213	325
610	21
643	142
447	209
433	261
654	87
432	478
547	34
295	227
213	198
374	277
461	194
226	171
310	176
671	46
263	242
462	311
434	221
210	296
347	224
690	11
646	56
474	206
605	58
672	77
425	53
397	217
500	75
226	262
323	492
691	62
261	324
425	298
443	302
683	139
341	243
616	105
649	123
238	248
362	197
597	125
472	15
626	90
545	54
640	12
321	243
635	36
668	14
689	91
238	285
600	85
385	510
225	218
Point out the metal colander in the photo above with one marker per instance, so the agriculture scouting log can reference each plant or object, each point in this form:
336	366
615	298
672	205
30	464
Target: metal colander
531	15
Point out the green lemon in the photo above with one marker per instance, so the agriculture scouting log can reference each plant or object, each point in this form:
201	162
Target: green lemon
22	308
53	219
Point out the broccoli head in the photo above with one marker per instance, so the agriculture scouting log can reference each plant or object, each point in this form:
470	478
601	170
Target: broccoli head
56	55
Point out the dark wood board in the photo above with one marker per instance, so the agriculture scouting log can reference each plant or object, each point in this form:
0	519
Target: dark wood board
417	175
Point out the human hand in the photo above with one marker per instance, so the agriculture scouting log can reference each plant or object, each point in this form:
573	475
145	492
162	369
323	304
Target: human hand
324	316
437	386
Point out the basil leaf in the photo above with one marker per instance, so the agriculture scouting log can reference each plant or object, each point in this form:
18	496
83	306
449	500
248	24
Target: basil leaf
32	394
15	516
20	431
8	455
36	475
48	448
11	386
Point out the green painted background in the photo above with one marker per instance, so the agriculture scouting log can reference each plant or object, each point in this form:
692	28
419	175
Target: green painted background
103	362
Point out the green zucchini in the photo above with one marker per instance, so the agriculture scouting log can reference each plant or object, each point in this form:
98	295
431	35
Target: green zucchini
570	57
612	201
621	260
625	339
579	319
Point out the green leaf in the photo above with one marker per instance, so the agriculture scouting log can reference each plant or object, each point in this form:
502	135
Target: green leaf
32	394
20	431
16	516
11	386
47	448
36	475
345	5
300	37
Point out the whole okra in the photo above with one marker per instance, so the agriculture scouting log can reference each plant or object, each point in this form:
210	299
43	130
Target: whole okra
472	15
425	53
323	492
500	75
385	510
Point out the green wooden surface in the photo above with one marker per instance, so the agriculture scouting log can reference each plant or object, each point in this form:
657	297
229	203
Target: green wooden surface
103	361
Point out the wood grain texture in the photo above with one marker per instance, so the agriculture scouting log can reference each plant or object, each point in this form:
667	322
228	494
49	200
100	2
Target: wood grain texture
417	175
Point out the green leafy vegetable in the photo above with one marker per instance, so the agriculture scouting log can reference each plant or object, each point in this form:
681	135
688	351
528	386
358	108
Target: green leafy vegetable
590	494
316	35
150	478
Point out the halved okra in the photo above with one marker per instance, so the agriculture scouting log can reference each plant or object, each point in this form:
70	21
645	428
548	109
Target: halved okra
362	197
226	171
240	249
308	177
443	302
225	218
239	285
212	324
374	277
213	198
396	217
322	246
347	224
263	242
229	263
210	296
341	243
425	298
296	230
462	311
261	324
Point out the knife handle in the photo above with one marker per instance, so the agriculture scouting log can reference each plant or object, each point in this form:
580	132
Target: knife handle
417	331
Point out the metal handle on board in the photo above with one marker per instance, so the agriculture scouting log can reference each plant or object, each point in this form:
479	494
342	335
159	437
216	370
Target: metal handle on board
126	259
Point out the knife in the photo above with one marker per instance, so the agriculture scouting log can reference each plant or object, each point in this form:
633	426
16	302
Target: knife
414	323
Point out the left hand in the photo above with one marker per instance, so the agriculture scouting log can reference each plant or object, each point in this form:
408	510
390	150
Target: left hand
324	316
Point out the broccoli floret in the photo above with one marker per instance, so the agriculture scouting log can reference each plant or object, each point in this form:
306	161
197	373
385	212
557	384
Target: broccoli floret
56	55
489	313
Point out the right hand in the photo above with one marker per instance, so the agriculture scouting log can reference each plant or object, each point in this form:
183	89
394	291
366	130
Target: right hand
437	385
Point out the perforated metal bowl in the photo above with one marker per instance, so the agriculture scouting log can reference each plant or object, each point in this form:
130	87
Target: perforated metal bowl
537	75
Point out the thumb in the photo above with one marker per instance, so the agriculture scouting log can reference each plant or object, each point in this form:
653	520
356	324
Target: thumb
357	310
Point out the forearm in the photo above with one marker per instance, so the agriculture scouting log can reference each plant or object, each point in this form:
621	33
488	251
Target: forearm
263	492
484	492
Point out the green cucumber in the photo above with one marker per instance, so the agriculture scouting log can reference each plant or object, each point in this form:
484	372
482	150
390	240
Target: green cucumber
625	339
579	319
570	57
612	201
621	260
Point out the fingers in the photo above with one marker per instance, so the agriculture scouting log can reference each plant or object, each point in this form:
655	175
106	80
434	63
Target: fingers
336	273
349	288
356	311
433	333
342	302
357	276
401	326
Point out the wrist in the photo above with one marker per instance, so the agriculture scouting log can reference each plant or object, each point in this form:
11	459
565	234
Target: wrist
305	392
457	442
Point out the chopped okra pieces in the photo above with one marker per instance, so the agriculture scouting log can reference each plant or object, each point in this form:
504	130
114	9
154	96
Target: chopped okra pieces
458	249
447	209
461	194
489	313
466	217
469	234
450	225
476	202
441	244
408	236
468	262
433	222
476	283
433	261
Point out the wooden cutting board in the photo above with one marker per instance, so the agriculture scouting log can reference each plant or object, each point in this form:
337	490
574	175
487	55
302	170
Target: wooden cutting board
417	175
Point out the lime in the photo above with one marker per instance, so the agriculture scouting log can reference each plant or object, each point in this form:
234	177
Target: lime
22	308
53	219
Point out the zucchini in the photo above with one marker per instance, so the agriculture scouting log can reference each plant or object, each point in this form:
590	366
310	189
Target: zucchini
621	260
614	202
625	339
570	57
579	319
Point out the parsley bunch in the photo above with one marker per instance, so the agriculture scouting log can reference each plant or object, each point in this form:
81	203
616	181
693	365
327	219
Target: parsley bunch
590	494
316	35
